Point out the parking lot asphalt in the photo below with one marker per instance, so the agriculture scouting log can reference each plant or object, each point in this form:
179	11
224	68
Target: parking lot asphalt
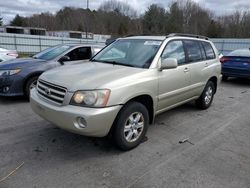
217	154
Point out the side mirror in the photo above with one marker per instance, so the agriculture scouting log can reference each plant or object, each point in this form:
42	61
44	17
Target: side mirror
64	58
168	63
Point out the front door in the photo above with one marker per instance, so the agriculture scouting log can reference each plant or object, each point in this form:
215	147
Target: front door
173	83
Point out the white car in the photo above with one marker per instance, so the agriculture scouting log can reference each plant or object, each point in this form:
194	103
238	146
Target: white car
7	54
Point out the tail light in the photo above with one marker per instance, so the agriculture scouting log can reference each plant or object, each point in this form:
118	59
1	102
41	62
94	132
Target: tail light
224	59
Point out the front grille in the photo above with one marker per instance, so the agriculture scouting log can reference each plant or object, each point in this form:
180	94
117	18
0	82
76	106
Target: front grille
51	92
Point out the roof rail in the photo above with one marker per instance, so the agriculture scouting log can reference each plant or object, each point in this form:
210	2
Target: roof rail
187	35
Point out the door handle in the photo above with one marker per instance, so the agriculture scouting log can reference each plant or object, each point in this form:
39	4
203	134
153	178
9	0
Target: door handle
186	69
206	64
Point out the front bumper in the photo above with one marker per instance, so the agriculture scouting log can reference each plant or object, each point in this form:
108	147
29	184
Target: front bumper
11	86
98	120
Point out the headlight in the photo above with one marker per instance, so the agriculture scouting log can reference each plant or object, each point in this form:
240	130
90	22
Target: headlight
91	98
9	72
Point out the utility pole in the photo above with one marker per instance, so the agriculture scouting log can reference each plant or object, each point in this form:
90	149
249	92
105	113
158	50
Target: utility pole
87	20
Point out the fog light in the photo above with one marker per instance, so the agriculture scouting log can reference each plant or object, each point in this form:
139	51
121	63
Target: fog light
80	123
6	89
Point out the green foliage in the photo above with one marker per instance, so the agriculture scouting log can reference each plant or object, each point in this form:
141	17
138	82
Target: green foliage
117	18
176	20
214	29
155	20
18	21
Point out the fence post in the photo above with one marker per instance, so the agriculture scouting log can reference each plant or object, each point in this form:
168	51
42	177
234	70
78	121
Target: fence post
222	47
15	44
40	43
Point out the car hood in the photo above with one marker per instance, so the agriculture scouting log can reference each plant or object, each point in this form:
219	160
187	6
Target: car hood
20	63
89	75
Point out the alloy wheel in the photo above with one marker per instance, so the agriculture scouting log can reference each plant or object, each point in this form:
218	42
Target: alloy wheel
134	126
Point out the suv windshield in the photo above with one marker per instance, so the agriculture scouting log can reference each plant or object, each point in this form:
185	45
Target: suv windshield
51	53
130	52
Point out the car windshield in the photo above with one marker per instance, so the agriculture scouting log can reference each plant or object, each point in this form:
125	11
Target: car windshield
51	53
129	52
241	52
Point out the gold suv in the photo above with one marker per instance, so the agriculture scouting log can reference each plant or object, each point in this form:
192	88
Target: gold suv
121	89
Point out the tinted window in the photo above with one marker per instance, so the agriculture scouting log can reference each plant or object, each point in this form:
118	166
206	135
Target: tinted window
80	54
174	49
193	51
209	50
202	51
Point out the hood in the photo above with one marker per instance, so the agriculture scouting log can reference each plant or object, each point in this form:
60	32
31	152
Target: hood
89	75
20	63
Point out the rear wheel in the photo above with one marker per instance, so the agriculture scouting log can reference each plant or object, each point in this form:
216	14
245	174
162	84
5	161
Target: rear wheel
30	84
206	98
131	125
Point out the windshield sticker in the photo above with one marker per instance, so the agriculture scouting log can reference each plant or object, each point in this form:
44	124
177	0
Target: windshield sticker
152	43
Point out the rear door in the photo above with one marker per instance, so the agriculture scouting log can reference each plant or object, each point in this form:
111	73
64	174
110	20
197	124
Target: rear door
173	83
200	57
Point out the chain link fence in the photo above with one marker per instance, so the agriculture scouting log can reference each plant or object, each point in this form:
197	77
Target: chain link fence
31	44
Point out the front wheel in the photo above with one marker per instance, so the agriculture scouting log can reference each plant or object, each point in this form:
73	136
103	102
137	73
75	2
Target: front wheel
31	83
206	98
131	125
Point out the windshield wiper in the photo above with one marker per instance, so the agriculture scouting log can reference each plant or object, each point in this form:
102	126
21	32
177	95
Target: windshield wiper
113	63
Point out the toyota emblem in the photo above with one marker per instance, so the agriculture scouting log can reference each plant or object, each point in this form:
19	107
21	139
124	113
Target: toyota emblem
47	91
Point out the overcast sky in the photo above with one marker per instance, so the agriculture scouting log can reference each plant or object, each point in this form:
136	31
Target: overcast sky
9	8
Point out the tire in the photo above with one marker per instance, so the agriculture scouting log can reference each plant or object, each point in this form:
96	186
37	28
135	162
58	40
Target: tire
206	98
29	85
224	78
135	119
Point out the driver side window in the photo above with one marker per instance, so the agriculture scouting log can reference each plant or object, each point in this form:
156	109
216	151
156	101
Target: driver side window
79	54
175	49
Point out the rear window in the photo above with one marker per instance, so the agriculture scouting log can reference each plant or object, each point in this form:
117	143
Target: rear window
193	51
240	52
208	50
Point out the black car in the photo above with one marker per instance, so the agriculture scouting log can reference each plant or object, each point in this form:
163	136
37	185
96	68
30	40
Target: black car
18	76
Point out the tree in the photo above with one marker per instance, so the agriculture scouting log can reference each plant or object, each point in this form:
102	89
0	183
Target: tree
214	29
176	20
119	7
117	18
18	21
155	20
192	17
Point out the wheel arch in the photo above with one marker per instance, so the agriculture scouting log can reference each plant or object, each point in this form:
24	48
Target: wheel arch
214	79
148	102
34	74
